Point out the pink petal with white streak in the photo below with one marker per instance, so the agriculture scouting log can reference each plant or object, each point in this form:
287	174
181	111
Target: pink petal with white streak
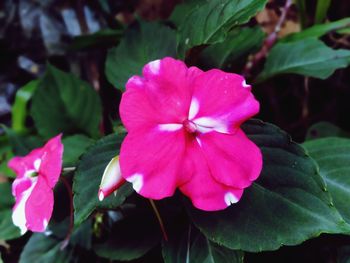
39	206
233	159
204	191
37	173
23	190
152	161
224	100
24	166
161	96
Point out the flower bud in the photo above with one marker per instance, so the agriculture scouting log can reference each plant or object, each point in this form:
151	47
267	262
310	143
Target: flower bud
111	179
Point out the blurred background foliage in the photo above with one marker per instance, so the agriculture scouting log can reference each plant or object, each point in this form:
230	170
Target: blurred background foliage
75	37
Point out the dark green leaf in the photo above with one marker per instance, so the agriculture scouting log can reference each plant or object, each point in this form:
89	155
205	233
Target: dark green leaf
143	43
181	11
317	31
82	236
6	155
64	103
343	254
103	37
131	237
333	156
44	249
287	205
88	177
210	21
19	108
74	147
21	144
239	42
195	247
6	200
325	129
309	57
7	229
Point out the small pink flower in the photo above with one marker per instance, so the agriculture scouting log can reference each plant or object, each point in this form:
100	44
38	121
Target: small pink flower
37	174
184	132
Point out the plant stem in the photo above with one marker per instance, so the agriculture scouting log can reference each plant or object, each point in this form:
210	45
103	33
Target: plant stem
71	222
160	221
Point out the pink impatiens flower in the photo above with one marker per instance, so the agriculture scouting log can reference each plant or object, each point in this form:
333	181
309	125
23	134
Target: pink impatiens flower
184	132
37	174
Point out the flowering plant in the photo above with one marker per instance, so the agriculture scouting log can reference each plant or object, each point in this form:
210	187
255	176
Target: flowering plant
141	131
184	132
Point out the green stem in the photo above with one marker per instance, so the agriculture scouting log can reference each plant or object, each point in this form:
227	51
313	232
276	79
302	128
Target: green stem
160	221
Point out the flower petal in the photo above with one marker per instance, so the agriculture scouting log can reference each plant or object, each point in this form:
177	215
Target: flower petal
204	191
162	96
224	99
21	189
21	184
46	160
51	163
24	166
233	159
39	206
151	161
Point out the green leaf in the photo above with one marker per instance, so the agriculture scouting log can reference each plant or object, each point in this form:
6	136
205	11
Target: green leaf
82	236
64	103
182	10
6	155
325	129
88	177
7	229
317	31
44	249
239	42
21	144
131	237
287	205
74	147
195	247
142	43
321	10
333	156
6	200
343	254
209	22
344	31
104	37
309	57
19	108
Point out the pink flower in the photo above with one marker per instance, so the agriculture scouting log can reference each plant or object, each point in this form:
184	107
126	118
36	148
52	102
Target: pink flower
184	132
37	174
